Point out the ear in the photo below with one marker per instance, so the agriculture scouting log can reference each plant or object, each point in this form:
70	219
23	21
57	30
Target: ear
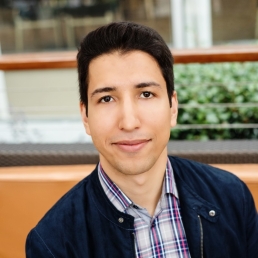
85	118
174	110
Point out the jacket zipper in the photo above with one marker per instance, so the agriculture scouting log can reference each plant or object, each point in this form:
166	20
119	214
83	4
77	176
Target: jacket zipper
134	244
201	230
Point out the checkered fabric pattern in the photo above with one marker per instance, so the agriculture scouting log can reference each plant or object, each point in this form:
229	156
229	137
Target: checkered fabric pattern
159	236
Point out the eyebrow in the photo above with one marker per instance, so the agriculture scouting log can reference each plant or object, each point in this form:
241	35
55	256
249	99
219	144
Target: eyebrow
137	86
101	90
146	84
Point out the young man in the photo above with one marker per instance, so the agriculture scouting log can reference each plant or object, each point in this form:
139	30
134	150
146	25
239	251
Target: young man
138	202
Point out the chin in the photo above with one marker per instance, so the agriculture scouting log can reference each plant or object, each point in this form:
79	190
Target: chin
136	167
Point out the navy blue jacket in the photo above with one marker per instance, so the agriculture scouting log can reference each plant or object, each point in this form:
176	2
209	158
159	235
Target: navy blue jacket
217	208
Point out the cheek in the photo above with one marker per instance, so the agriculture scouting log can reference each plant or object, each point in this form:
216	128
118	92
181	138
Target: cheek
98	136
100	127
158	119
156	113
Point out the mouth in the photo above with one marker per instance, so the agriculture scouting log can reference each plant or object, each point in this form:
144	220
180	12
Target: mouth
131	145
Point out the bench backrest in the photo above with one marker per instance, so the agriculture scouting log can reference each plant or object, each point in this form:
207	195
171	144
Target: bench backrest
26	193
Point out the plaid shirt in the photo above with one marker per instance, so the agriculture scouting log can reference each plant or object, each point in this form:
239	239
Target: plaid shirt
159	236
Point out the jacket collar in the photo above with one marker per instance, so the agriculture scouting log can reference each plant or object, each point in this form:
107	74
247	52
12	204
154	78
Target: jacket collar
192	204
105	207
187	185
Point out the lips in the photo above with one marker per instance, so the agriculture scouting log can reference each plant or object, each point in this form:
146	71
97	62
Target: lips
131	145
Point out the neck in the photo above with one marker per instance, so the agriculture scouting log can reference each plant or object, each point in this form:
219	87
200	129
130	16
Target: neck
143	189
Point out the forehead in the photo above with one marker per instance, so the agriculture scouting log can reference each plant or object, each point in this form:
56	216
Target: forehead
122	56
129	65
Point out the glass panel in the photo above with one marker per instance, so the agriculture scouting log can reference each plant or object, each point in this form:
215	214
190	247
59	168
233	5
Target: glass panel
29	26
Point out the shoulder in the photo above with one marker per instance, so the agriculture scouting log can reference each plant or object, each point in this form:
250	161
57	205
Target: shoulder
62	224
214	185
75	197
74	200
202	173
225	191
210	183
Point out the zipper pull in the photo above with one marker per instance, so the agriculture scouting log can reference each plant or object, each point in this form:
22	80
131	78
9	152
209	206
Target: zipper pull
201	237
134	244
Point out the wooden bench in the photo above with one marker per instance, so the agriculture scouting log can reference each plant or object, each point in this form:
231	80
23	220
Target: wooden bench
26	193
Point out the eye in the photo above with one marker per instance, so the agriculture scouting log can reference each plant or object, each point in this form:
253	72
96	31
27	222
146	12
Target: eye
146	94
106	99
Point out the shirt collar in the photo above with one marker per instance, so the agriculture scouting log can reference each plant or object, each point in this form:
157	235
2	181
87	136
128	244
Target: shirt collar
169	186
113	189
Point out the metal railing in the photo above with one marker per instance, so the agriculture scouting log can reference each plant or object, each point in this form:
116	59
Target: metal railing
67	59
77	152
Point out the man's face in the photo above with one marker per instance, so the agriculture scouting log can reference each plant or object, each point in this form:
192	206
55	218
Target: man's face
129	116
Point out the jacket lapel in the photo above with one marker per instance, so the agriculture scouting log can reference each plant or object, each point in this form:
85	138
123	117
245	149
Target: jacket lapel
192	205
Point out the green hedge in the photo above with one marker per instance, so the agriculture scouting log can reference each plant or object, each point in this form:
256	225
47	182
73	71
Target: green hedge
217	83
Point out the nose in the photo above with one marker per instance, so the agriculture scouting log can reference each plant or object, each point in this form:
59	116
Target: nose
129	116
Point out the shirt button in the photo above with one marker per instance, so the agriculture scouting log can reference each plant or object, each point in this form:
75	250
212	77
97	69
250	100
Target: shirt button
212	213
120	220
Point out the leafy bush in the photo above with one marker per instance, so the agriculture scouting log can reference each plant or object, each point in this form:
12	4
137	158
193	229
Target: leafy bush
217	84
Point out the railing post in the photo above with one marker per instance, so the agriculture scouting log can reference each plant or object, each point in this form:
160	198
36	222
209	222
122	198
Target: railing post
198	23
191	23
4	104
177	23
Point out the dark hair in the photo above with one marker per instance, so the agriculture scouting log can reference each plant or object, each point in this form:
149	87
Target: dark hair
123	37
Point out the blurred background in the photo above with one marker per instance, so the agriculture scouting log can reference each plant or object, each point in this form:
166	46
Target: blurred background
217	100
40	25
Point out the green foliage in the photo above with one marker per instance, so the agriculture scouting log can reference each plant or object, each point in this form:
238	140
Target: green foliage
217	84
